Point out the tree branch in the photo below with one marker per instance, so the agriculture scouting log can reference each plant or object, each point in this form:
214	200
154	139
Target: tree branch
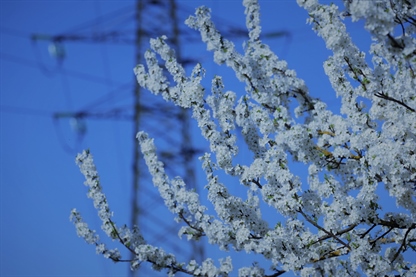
322	229
384	96
402	244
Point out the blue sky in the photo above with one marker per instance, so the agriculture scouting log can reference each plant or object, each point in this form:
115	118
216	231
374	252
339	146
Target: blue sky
39	180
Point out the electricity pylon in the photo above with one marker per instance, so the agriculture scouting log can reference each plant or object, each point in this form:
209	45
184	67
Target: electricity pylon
174	134
168	124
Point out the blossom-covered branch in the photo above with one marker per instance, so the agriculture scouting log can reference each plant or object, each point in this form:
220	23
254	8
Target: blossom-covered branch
334	223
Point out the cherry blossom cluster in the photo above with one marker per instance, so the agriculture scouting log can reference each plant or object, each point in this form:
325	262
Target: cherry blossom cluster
335	223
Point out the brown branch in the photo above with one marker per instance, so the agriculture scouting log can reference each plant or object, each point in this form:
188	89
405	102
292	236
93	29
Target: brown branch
119	238
257	182
394	224
174	267
278	273
394	42
402	244
368	231
355	73
382	236
330	254
198	229
322	229
384	96
337	234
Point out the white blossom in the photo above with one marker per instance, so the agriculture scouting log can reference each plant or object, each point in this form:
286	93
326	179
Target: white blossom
335	222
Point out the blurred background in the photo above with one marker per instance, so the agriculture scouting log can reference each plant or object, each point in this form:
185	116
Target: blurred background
67	84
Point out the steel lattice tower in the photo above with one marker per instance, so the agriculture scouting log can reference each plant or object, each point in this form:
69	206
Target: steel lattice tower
169	125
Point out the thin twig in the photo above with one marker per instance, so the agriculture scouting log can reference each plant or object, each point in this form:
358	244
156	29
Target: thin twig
322	229
402	245
368	231
380	237
337	234
278	273
384	96
200	230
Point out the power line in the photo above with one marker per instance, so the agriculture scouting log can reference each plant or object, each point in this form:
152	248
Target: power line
25	111
14	32
122	12
72	73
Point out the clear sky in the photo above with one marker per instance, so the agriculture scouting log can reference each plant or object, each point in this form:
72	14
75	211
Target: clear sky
39	181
